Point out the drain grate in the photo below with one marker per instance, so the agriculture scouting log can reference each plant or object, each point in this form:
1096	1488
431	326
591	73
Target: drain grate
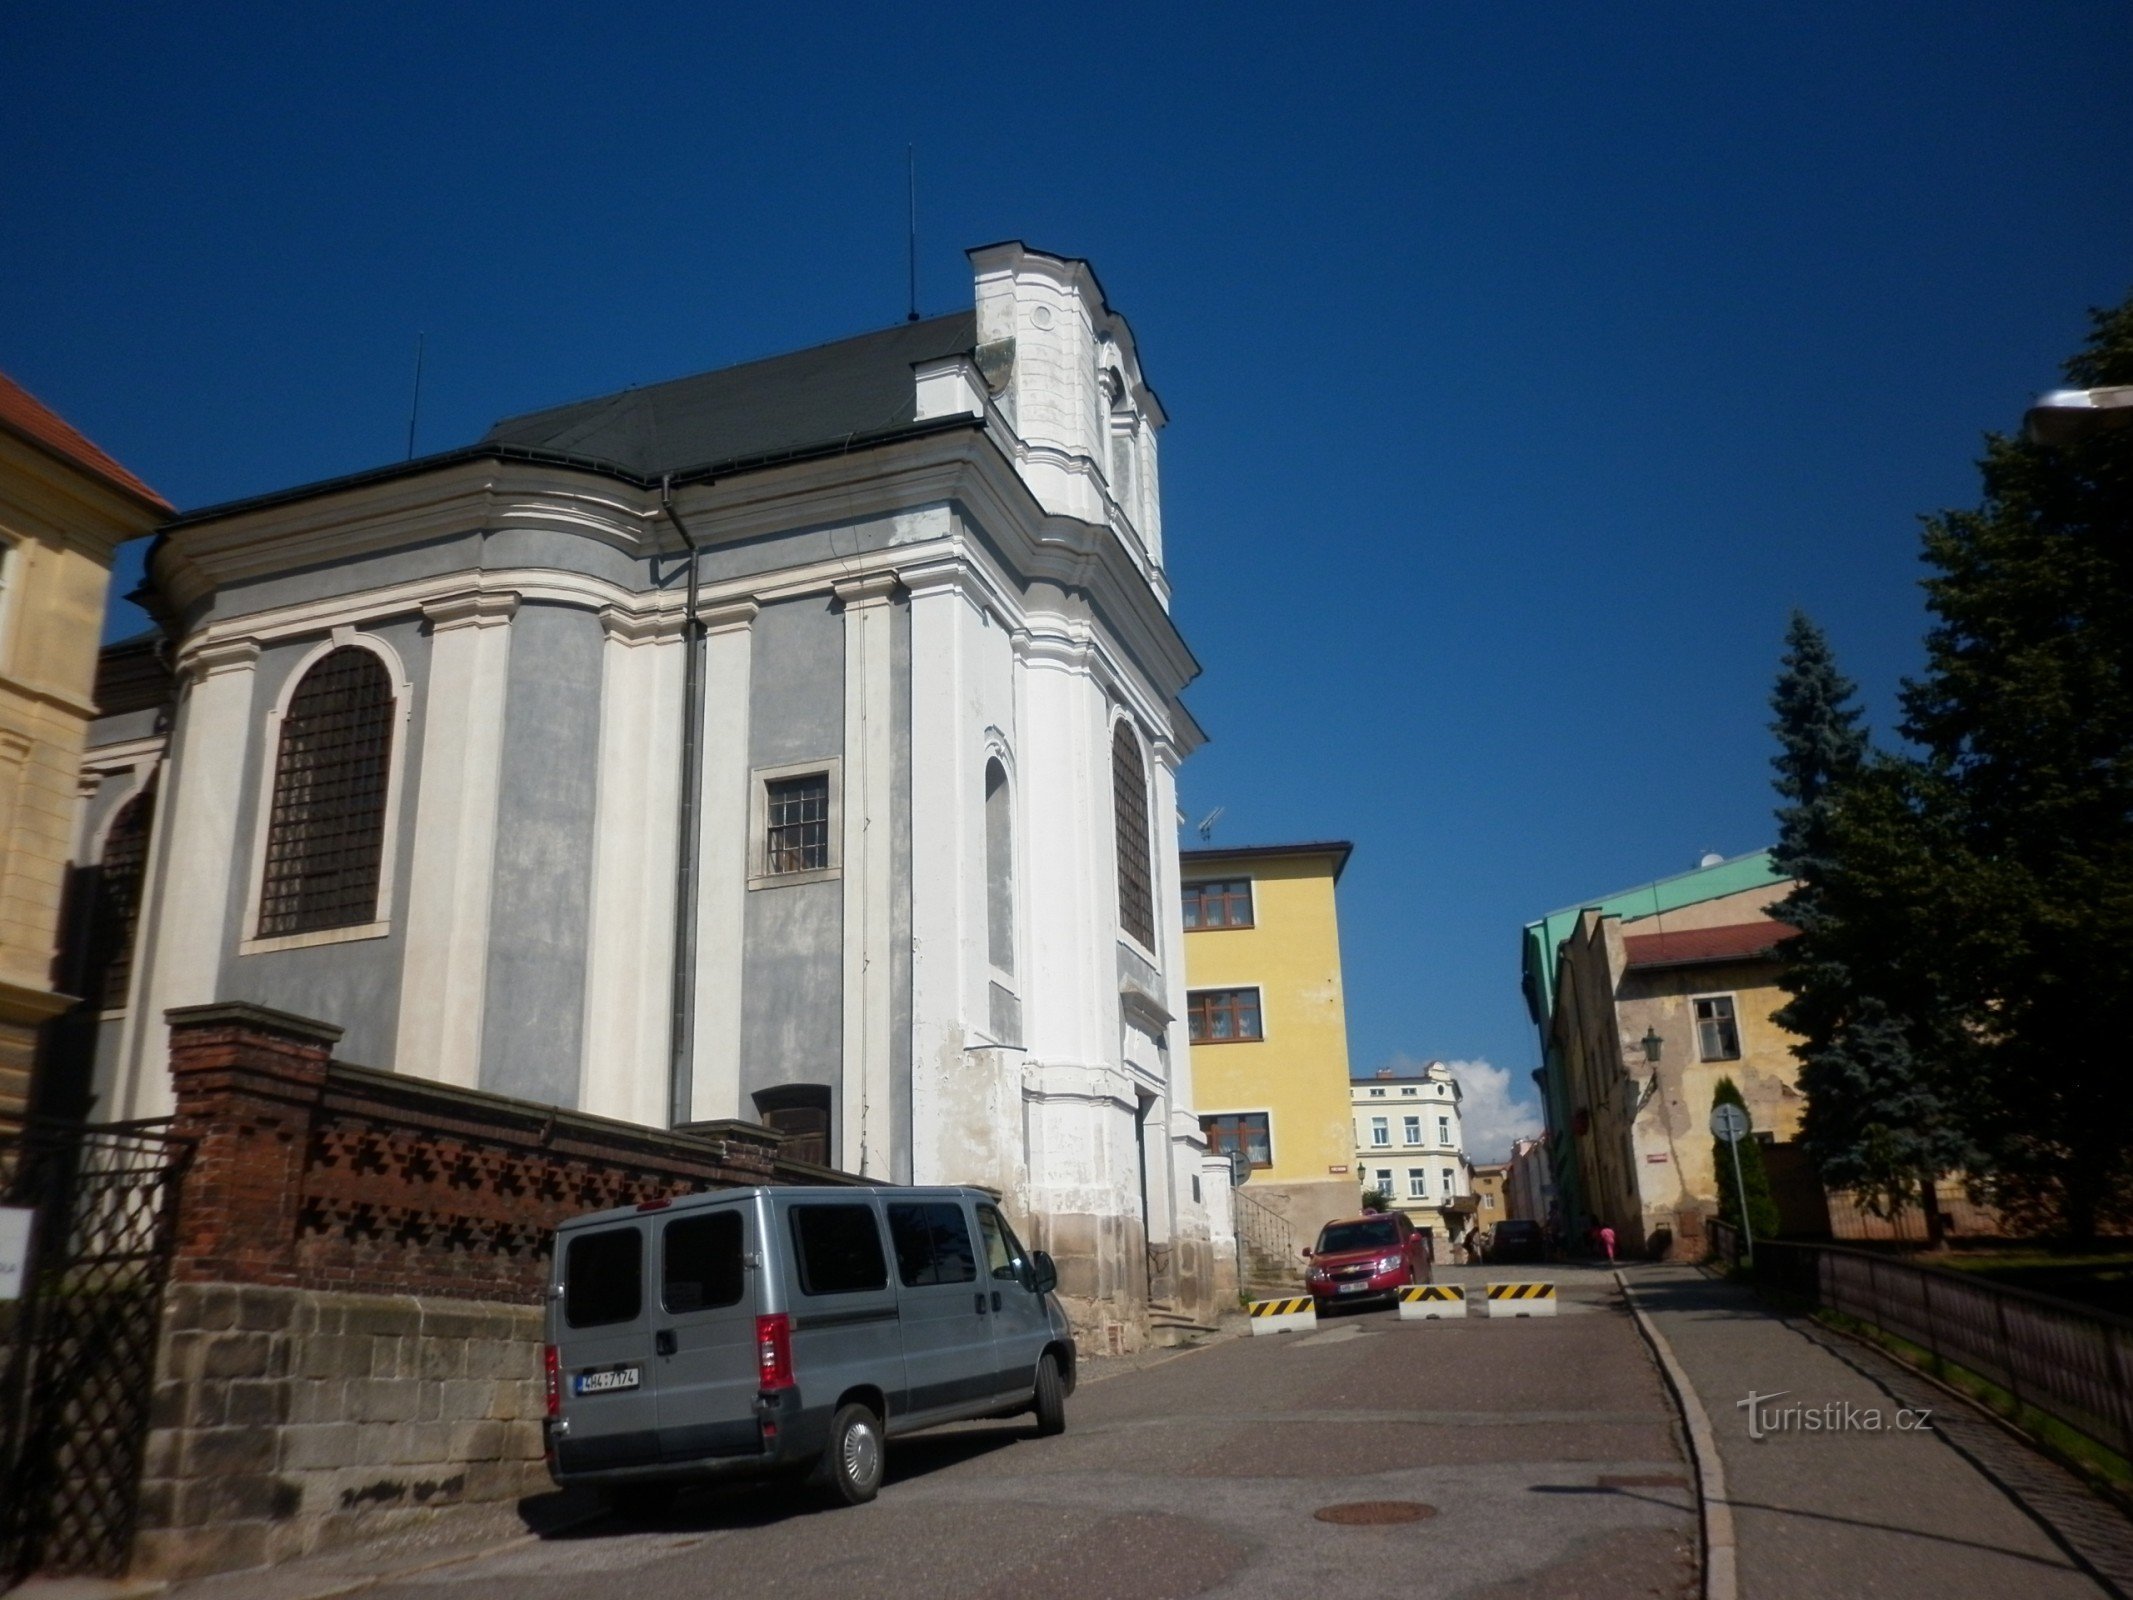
1374	1513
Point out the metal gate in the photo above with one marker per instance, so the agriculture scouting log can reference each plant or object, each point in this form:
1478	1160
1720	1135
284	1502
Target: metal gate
78	1348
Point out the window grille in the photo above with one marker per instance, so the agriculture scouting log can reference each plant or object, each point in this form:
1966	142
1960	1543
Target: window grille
117	908
797	813
326	835
1129	794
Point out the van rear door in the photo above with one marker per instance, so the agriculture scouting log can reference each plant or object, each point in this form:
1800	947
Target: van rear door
604	1351
704	1334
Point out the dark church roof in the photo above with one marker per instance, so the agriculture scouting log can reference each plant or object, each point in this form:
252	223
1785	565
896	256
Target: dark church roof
855	388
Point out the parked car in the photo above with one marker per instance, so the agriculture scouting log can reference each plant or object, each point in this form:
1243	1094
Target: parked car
742	1331
1515	1240
1366	1258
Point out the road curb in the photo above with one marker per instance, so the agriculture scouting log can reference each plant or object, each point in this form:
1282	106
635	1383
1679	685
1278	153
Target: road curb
1721	1577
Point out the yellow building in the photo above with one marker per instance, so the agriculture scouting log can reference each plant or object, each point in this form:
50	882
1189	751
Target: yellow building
65	507
1269	1025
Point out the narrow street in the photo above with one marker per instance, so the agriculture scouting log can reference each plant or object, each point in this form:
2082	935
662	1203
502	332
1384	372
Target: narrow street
1546	1450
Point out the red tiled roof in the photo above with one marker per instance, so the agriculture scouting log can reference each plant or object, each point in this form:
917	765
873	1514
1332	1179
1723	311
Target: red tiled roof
1735	941
23	413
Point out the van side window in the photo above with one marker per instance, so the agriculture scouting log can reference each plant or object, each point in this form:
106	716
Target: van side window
932	1243
1003	1251
603	1278
702	1262
839	1248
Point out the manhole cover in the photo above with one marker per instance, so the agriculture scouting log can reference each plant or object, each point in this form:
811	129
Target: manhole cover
1655	1480
1374	1513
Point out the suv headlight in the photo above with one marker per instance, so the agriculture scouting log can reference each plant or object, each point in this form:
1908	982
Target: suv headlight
1387	1263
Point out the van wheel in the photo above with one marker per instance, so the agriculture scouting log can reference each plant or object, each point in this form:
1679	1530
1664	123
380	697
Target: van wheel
852	1461
1051	1398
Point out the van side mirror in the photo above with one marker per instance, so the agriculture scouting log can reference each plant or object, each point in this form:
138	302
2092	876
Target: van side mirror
1045	1277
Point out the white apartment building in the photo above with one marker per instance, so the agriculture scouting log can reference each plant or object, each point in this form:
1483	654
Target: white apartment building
1409	1143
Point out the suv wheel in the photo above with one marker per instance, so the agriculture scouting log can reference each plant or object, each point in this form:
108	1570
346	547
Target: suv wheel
852	1461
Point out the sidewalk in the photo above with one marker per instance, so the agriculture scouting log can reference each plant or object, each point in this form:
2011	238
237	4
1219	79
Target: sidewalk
1845	1510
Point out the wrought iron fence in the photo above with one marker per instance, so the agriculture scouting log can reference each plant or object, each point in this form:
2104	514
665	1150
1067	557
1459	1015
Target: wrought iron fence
78	1348
1264	1234
2072	1362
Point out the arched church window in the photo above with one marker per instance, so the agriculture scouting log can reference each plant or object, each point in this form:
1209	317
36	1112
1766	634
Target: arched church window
1129	799
116	909
999	869
326	831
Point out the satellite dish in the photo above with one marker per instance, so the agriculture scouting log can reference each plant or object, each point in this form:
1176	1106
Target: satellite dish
1710	858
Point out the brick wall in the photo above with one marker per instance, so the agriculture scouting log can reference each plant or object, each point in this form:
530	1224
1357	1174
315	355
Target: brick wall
352	1330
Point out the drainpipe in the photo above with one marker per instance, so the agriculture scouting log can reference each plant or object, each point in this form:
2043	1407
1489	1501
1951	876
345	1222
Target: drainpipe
682	1020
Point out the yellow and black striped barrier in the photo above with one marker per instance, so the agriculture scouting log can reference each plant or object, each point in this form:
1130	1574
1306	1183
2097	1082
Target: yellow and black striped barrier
1284	1316
1430	1302
1521	1299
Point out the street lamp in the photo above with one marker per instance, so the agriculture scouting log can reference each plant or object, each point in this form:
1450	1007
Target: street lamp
1653	1044
2068	414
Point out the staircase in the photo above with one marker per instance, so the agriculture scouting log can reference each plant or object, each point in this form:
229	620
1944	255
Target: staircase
1270	1262
1168	1326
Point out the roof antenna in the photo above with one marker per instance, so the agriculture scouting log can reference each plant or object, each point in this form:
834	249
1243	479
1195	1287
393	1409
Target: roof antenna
1206	824
415	410
911	181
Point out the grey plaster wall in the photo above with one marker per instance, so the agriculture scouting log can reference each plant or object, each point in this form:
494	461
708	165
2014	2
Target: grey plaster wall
540	899
355	985
792	986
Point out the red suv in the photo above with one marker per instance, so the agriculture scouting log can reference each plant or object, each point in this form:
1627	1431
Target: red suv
1366	1258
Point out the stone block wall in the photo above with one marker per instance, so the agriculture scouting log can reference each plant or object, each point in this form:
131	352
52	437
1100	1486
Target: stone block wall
287	1420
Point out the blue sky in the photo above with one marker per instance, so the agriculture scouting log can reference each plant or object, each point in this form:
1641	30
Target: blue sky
1526	363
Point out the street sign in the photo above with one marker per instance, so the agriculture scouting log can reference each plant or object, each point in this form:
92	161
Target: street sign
14	1250
1240	1169
1729	1122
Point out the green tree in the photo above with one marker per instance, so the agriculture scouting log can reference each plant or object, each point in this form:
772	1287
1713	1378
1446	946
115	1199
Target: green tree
2024	716
1875	1048
1754	1180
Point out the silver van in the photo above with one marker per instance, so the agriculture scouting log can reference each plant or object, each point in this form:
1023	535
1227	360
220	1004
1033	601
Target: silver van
743	1331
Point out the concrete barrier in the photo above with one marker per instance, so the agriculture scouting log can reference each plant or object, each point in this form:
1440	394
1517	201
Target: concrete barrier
1521	1299
1295	1315
1430	1302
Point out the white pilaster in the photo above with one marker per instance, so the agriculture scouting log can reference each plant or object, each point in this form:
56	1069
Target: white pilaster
866	1132
444	975
722	861
629	967
198	850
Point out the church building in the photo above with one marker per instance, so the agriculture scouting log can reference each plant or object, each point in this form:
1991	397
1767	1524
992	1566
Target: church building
795	743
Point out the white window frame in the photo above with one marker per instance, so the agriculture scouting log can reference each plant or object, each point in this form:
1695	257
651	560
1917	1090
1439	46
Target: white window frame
1380	1134
759	781
1444	1130
1418	1183
1732	1000
381	923
1384	1183
1411	1131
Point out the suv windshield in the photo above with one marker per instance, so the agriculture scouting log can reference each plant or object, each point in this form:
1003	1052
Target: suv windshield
1357	1236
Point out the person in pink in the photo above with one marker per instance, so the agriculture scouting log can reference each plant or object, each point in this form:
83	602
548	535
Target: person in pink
1607	1242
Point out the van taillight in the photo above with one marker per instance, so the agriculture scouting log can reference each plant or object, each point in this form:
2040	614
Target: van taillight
773	1352
552	1367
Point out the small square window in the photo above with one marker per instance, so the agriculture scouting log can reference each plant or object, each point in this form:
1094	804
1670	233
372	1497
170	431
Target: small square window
797	837
1223	1016
1225	903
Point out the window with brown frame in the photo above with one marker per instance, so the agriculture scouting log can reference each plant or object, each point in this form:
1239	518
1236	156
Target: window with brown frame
1129	795
1224	903
326	829
796	816
116	910
1242	1130
1219	1016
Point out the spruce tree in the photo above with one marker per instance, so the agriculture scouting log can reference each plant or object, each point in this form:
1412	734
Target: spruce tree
2025	715
1754	1178
1875	1049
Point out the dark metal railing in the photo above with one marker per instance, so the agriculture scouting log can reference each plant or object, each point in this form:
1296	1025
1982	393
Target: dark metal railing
2071	1362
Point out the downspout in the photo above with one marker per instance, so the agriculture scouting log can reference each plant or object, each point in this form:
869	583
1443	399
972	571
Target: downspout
682	1019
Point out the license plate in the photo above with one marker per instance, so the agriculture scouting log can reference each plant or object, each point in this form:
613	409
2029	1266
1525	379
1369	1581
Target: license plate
1354	1288
606	1380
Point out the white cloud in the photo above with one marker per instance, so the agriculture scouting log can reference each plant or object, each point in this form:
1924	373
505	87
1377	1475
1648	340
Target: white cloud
1494	1107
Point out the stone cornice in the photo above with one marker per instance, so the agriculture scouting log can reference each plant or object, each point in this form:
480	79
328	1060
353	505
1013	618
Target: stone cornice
483	608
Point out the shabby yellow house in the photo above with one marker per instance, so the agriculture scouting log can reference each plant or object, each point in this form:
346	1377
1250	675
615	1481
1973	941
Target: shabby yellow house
1268	1024
65	507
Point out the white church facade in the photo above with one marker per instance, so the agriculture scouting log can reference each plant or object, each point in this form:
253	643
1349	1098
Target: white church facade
794	743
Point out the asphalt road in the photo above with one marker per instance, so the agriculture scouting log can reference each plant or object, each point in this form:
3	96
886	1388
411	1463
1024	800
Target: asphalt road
1546	1451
